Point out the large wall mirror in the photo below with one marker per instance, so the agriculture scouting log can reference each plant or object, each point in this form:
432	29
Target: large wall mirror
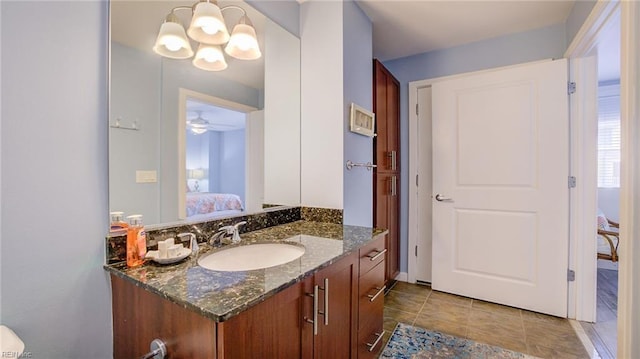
187	144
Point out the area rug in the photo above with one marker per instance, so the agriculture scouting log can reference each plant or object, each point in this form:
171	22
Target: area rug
417	343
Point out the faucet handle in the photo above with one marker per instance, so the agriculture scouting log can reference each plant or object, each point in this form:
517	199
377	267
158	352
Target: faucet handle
237	225
193	242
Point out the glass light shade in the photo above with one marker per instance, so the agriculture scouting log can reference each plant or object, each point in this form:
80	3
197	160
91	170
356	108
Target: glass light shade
207	25
172	42
198	131
209	58
243	43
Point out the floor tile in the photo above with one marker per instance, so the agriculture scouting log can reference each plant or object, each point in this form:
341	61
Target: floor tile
495	308
406	302
449	298
392	316
542	351
491	322
415	289
510	328
498	339
445	311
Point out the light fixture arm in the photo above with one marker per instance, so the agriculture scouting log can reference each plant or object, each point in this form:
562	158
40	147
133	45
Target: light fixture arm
172	17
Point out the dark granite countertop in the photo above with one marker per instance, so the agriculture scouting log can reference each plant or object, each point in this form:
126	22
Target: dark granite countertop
221	295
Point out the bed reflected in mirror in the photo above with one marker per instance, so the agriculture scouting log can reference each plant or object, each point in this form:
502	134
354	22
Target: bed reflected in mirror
215	151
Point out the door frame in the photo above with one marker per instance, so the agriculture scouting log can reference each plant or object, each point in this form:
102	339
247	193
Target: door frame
584	41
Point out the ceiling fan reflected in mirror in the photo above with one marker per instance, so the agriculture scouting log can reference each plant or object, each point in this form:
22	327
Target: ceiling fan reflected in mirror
198	125
211	121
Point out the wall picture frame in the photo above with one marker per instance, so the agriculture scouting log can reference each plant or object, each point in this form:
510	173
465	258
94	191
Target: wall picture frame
362	121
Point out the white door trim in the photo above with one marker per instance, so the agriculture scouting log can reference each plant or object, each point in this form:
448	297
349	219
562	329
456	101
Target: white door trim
413	160
582	292
628	303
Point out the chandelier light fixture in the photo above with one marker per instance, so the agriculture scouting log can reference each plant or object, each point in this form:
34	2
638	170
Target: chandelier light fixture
208	28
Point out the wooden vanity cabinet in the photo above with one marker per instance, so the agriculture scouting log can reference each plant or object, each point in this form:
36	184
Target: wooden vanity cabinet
140	316
279	327
371	298
336	332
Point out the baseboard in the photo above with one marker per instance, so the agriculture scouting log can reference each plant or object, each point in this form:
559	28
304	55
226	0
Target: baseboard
402	277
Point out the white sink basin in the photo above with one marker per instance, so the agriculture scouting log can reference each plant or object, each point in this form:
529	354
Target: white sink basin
250	257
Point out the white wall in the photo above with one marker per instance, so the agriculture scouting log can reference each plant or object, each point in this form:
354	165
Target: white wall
55	293
322	104
232	165
609	202
281	116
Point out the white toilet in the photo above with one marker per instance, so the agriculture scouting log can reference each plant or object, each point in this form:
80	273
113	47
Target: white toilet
10	342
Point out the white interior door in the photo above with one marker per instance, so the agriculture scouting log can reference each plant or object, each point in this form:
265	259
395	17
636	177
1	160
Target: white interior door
500	207
424	189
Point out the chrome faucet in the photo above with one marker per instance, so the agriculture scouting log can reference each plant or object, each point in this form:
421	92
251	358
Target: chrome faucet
225	232
193	242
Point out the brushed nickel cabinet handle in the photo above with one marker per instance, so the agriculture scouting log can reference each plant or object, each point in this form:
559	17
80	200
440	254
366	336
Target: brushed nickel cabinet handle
393	155
373	257
394	185
325	313
314	321
375	343
374	296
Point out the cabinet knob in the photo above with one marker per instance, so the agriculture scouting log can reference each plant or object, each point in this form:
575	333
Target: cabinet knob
158	350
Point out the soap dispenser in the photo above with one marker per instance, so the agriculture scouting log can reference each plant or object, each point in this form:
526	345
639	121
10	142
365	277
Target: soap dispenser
117	222
136	241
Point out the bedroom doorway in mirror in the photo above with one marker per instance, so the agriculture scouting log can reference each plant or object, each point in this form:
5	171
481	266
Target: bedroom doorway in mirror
217	157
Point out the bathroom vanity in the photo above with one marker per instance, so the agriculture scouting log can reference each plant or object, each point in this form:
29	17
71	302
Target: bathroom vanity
326	304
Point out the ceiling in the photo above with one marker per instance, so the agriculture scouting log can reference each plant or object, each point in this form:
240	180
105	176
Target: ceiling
404	28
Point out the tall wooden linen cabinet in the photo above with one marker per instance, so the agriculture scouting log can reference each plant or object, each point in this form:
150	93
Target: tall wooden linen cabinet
386	155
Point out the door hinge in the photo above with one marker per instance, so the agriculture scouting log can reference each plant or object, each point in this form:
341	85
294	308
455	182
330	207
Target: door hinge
571	88
416	251
572	182
416	180
571	275
417	111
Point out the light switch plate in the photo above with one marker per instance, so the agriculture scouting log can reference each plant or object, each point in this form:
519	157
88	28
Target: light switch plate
146	176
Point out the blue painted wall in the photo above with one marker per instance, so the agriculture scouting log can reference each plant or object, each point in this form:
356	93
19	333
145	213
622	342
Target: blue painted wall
54	175
548	42
358	83
55	293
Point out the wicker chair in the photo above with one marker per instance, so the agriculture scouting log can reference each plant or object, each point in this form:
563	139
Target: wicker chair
608	238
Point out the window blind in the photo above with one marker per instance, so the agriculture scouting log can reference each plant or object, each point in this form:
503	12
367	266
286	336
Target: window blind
609	139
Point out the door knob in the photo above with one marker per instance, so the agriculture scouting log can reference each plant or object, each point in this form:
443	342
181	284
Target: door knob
439	198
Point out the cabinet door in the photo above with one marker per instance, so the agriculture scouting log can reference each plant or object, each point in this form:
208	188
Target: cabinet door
386	210
337	310
271	329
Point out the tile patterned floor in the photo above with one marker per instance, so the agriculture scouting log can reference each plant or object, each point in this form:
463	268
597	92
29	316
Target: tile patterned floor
511	328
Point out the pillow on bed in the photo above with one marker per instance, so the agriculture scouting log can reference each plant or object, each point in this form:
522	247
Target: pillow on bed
603	223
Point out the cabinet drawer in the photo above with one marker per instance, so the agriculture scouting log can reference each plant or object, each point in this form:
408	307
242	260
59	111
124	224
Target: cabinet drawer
372	254
371	297
370	342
